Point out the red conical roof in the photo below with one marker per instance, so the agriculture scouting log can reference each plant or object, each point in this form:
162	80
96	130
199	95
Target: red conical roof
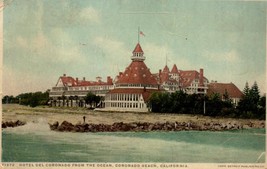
166	69
174	69
137	73
138	49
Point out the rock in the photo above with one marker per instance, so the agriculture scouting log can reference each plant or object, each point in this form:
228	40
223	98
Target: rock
19	123
10	124
66	126
4	125
223	125
54	126
138	126
150	127
156	127
246	126
217	128
86	125
133	125
229	126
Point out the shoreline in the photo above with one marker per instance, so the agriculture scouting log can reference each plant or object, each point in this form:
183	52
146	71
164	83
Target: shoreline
14	112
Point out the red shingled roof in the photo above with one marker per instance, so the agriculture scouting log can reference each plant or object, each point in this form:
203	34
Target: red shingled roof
164	77
166	69
138	49
220	88
137	73
68	81
187	77
145	92
91	83
174	69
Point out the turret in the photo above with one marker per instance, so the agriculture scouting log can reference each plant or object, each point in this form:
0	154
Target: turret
138	54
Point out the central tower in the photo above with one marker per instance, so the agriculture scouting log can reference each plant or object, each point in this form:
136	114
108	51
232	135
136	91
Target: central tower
133	86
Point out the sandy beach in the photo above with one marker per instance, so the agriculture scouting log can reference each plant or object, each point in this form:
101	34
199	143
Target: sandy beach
13	112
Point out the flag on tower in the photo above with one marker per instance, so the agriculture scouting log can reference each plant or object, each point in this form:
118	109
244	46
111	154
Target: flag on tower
141	33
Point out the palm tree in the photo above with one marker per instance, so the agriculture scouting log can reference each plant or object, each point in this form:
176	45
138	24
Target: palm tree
50	101
59	100
68	101
71	100
64	99
76	99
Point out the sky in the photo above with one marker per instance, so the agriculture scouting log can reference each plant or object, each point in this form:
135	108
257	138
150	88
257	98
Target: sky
42	40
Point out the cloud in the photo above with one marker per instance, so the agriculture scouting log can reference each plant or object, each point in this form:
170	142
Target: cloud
36	43
156	56
230	56
22	42
57	46
111	46
90	14
114	52
16	82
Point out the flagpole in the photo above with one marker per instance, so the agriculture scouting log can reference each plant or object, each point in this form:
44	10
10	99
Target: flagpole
138	34
166	59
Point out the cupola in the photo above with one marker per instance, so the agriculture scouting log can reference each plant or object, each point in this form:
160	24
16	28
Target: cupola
138	54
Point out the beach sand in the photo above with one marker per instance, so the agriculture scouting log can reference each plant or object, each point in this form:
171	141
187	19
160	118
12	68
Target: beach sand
13	112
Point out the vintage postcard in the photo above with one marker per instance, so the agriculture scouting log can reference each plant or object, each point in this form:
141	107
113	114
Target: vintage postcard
133	84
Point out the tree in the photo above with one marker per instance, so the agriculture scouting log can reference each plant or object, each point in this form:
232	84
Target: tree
248	106
177	102
97	99
214	105
154	102
254	93
262	108
76	98
89	98
71	100
63	99
246	90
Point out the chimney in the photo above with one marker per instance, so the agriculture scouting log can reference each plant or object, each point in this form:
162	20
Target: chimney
160	71
77	79
83	78
109	80
64	75
98	79
201	77
120	73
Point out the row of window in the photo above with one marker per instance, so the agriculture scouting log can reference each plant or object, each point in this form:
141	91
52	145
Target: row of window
125	105
125	97
91	88
136	85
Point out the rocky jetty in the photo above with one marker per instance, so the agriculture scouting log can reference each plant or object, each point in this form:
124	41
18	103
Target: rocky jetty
12	124
145	127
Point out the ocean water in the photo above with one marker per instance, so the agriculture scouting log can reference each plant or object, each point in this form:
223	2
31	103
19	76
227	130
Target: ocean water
35	142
